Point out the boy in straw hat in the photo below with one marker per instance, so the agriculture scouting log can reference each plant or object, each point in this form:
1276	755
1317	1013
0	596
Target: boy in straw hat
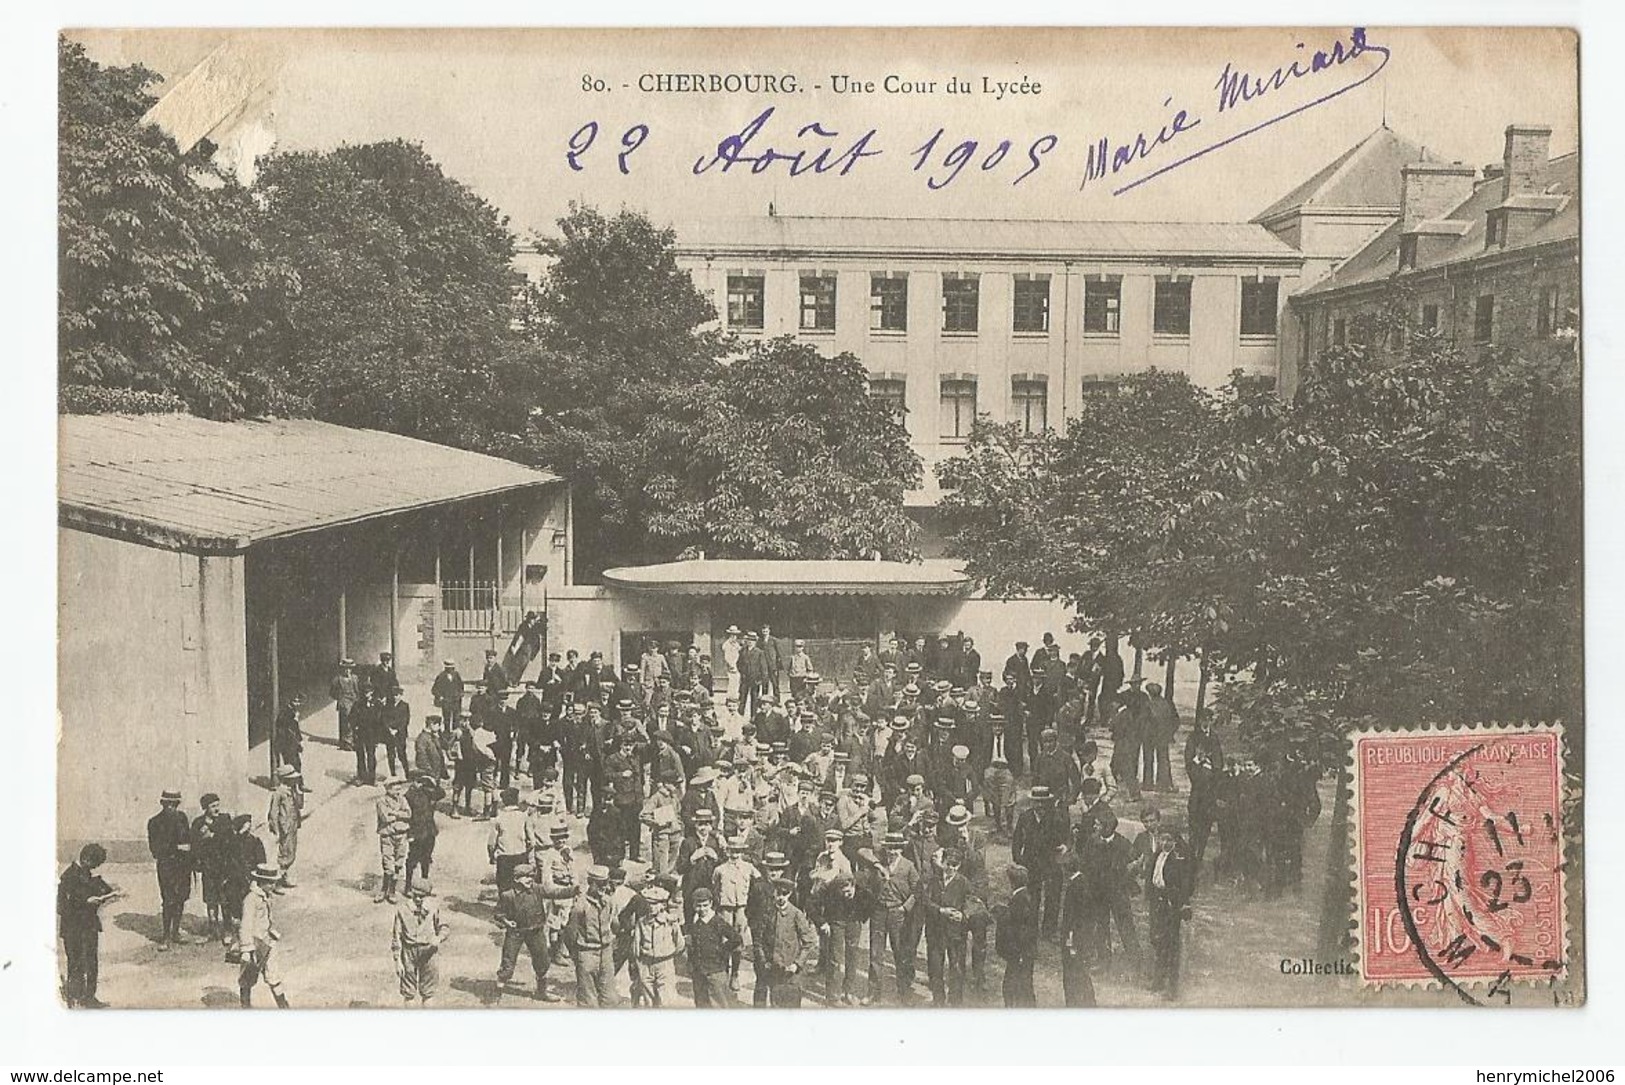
259	936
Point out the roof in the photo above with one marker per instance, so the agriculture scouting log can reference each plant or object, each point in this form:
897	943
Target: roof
1379	260
710	576
184	483
1365	175
984	238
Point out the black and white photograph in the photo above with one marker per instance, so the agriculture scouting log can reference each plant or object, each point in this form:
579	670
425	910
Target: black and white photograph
840	519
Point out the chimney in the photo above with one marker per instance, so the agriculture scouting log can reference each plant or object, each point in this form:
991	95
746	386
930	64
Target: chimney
1493	171
1528	149
1432	190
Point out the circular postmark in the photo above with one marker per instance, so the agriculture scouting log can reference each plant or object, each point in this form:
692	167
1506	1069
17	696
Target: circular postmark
1478	872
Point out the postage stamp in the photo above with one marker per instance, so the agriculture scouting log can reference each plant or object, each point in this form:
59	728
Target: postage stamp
1459	856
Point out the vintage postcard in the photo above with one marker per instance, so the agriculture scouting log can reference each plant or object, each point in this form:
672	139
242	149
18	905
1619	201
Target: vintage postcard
824	518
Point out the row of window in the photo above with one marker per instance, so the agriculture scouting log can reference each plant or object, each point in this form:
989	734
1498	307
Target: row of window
1030	311
1029	401
1547	318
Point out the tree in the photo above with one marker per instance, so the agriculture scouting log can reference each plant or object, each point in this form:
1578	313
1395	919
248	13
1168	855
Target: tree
164	291
407	293
784	454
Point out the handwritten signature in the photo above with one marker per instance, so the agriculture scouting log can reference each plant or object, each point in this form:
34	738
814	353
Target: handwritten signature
1235	89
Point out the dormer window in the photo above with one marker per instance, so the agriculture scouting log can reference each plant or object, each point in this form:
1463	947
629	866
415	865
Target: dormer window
1407	252
1495	230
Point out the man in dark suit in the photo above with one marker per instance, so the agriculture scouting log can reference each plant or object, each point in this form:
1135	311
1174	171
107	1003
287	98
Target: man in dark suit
773	658
1036	843
1170	879
1017	940
1018	673
79	897
169	839
967	664
753	676
1204	763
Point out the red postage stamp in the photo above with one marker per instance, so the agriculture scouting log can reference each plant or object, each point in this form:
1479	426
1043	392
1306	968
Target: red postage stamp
1459	856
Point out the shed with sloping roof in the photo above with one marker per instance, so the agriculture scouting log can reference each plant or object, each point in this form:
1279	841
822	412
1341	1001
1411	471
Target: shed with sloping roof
209	571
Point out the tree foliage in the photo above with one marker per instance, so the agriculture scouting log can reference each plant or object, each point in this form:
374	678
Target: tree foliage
164	284
406	296
1401	543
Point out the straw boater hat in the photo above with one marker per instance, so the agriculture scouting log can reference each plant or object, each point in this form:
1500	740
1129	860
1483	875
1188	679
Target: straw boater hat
286	772
958	816
267	872
170	796
732	631
423	887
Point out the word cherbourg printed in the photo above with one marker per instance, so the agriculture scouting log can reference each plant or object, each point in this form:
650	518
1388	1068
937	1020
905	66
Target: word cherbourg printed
820	518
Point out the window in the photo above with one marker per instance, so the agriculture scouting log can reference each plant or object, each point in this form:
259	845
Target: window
888	303
1103	306
958	409
961	302
1032	306
1255	382
818	303
1546	314
1484	319
1340	332
1258	307
745	301
1407	252
891	391
1171	314
1495	230
1098	388
1430	318
1030	401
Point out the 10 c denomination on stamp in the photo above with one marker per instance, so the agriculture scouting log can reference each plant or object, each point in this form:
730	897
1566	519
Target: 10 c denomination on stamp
1459	856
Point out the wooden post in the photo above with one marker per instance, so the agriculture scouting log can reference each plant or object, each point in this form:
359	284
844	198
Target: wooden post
497	585
523	551
276	694
394	607
344	631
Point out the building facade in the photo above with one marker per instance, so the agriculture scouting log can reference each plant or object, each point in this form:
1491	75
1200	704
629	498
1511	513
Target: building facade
1487	259
1005	320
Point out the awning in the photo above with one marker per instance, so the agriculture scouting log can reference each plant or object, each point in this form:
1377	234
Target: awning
771	577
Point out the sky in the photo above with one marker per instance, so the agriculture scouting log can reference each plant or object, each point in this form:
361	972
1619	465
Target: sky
498	110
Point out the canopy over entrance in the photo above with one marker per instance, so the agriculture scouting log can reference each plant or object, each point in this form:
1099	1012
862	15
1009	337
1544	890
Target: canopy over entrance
779	577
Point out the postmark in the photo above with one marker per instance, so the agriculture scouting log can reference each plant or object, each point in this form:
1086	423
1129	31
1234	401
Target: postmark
1459	867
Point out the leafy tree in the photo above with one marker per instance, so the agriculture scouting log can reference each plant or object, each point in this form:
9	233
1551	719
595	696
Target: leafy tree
164	286
407	291
784	454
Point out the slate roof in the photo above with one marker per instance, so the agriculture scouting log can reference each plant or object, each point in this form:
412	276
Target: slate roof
969	238
1379	260
182	482
713	576
1365	175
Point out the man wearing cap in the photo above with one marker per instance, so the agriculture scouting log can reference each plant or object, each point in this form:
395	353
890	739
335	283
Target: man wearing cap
713	952
169	839
832	862
259	936
662	814
282	819
80	894
657	939
786	950
1105	886
428	754
998	781
366	732
1170	879
394	818
896	891
1036	844
209	831
576	745
536	740
733	885
624	772
839	909
702	795
395	719
1056	769
522	913
447	691
345	689
414	943
800	666
590	934
554	870
287	738
1017	939
495	679
421	797
948	901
